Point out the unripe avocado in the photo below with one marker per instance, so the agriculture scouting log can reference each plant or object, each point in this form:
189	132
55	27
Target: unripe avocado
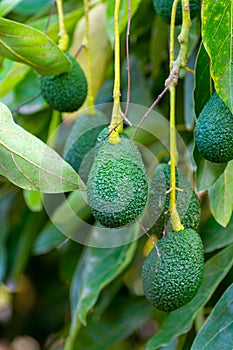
214	131
65	92
117	186
187	202
80	145
171	279
164	9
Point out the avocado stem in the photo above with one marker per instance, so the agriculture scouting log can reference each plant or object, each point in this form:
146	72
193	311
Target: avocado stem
90	97
63	36
172	81
114	137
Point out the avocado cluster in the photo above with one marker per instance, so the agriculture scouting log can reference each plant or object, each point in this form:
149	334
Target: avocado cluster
65	92
214	131
188	205
79	149
164	8
172	274
117	187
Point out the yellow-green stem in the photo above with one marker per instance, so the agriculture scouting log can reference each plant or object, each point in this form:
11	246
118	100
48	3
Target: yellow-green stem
90	97
116	112
70	341
172	32
63	36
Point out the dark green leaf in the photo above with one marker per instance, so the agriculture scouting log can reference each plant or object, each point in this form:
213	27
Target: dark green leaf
217	39
123	16
29	163
97	268
207	172
221	196
203	82
218	329
29	7
27	45
215	236
49	239
180	321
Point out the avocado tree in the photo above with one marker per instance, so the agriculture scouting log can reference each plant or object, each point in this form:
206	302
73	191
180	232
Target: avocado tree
116	174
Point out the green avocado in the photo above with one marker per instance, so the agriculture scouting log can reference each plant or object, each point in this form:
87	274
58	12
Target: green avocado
171	279
187	202
79	149
117	187
164	8
214	131
65	92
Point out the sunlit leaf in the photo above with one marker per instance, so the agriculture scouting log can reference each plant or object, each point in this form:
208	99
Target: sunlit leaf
29	163
7	6
27	45
218	329
217	39
180	321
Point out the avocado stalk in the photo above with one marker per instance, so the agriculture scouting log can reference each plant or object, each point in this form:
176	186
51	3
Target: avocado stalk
63	36
90	97
116	126
172	81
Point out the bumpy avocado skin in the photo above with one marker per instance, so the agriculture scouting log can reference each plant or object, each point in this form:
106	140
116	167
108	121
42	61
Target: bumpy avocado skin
172	279
65	92
164	8
214	131
188	204
80	146
117	187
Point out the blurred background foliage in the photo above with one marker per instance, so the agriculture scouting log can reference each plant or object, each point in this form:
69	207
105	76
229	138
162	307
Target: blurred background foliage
45	277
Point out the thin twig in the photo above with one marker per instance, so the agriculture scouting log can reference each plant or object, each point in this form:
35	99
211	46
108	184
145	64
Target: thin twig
50	15
128	59
79	50
150	237
149	110
25	103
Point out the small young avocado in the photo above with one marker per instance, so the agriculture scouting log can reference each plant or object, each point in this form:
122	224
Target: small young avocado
80	145
164	8
172	278
214	131
117	187
187	202
65	92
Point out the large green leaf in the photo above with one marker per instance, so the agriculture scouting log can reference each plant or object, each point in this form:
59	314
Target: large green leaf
180	321
27	45
207	172
7	6
221	196
203	82
123	16
97	268
217	39
217	331
29	163
215	236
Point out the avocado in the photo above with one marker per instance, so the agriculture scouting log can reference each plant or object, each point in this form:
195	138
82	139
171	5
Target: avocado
117	187
65	92
164	9
214	131
80	145
172	278
187	202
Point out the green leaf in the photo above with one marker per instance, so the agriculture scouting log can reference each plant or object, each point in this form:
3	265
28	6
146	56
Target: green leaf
180	321
11	74
217	39
27	45
203	82
29	163
218	329
123	16
33	200
207	172
221	196
7	6
215	236
97	268
49	239
30	7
